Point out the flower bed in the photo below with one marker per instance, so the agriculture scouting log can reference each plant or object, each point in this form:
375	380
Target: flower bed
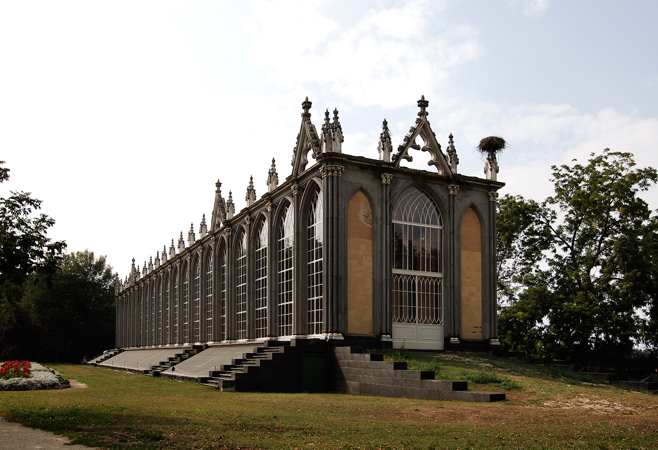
15	369
40	378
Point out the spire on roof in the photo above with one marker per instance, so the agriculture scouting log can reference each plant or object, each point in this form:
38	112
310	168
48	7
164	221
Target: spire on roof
250	197
191	238
203	228
181	243
164	254
451	152
230	206
385	147
156	264
272	178
172	249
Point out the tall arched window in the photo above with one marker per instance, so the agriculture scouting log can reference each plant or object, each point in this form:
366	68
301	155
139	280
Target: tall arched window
209	311
146	314
186	304
197	301
417	268
314	265
158	293
176	299
167	317
222	280
153	314
285	240
241	288
261	280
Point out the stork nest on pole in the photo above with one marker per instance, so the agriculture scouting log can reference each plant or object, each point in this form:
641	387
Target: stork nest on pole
491	144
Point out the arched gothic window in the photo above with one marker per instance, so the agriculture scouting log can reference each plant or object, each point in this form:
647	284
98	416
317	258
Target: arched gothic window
158	293
176	299
186	304
285	240
197	301
417	265
153	314
209	310
222	280
314	265
167	301
241	288
261	280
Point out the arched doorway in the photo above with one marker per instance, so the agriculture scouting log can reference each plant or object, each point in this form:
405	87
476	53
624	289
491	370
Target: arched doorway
417	299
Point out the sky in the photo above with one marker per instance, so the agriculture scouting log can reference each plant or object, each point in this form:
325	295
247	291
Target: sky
121	116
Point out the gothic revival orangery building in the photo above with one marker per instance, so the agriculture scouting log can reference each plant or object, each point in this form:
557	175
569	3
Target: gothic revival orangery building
346	249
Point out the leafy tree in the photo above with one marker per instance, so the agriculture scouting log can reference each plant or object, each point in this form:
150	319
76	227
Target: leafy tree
75	308
577	271
24	249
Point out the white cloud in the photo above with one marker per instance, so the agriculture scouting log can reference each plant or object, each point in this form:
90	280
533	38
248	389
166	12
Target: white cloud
386	58
532	8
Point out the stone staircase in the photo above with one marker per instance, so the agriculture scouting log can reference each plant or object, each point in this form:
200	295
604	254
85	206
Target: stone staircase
369	374
102	357
272	368
156	370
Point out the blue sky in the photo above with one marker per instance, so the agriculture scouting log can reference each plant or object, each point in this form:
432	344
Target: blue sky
121	116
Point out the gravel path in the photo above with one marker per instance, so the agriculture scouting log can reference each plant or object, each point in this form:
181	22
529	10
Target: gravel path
15	436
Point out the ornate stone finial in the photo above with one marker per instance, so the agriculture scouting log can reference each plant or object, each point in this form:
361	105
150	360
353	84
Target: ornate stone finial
251	192
326	138
385	147
144	270
150	264
191	238
219	208
272	178
164	254
337	132
230	206
451	152
156	264
181	243
423	104
491	167
306	105
172	249
203	228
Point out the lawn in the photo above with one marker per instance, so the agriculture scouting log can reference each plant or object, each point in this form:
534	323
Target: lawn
543	410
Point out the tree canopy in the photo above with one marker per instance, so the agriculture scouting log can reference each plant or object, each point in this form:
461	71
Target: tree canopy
53	305
577	272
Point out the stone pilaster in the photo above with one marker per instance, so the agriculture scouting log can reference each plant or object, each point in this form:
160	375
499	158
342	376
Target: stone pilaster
386	269
331	190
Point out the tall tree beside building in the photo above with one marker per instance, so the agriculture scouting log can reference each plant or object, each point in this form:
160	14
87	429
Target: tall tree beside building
577	272
75	308
25	249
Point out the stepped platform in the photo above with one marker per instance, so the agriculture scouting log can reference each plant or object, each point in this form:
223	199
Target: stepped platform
369	374
211	359
144	360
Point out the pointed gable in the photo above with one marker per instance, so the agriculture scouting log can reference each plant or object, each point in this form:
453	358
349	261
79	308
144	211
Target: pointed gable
422	128
307	140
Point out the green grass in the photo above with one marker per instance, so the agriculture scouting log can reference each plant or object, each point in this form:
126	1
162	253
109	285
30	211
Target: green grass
128	411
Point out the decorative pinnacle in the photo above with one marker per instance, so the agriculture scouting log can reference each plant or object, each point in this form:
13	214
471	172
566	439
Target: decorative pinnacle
423	104
306	105
218	185
326	117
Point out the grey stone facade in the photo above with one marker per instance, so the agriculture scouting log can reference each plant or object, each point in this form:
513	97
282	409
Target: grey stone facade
347	248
